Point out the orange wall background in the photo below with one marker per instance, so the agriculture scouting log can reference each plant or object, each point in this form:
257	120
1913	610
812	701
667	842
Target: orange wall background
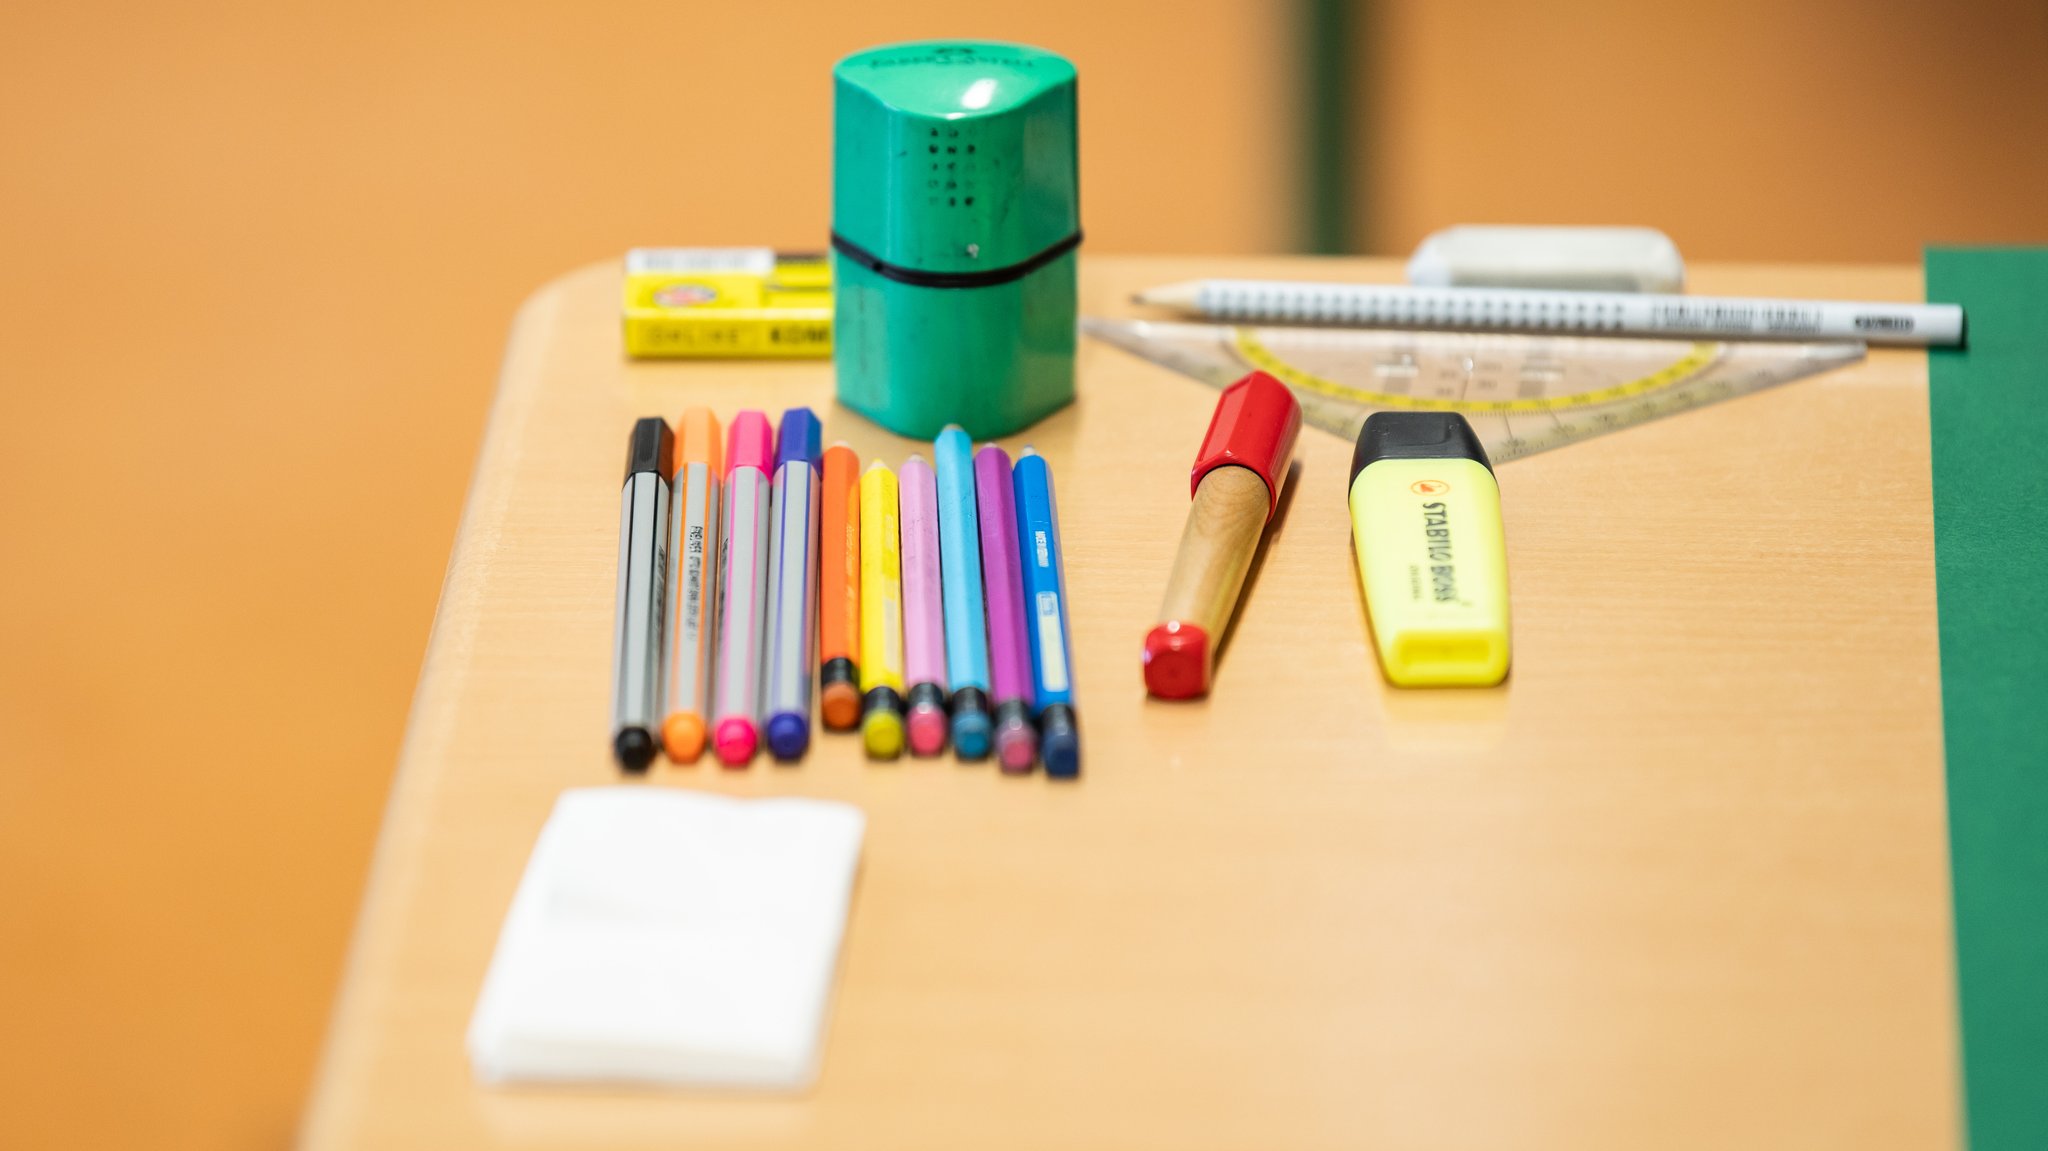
257	262
1753	130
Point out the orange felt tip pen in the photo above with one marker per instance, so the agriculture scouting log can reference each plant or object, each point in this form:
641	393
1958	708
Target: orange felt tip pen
692	585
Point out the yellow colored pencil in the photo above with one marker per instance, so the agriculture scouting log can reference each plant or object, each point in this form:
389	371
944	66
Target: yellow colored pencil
881	615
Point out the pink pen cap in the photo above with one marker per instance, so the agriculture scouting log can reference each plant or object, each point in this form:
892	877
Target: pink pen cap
750	443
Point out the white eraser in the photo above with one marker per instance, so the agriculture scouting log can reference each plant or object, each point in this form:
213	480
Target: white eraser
1561	259
662	936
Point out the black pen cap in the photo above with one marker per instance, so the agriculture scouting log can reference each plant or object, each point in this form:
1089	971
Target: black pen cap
652	448
1416	436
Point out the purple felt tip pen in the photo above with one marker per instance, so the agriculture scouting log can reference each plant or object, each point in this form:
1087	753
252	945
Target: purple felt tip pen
1009	641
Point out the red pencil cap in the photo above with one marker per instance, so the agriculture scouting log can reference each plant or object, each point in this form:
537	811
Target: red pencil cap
1254	427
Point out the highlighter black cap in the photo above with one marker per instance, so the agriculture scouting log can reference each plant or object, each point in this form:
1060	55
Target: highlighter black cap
1416	436
652	448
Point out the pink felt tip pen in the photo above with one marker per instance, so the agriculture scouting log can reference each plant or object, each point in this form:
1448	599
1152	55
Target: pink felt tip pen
1009	638
743	624
924	609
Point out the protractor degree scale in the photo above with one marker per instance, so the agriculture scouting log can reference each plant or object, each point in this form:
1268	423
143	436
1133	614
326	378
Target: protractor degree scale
1523	394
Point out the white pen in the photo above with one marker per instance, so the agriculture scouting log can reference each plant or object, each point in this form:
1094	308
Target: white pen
792	586
643	574
743	590
1568	313
692	585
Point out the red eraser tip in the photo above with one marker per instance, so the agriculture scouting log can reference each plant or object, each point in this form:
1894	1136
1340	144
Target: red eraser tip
1016	750
1254	427
750	443
1177	661
927	731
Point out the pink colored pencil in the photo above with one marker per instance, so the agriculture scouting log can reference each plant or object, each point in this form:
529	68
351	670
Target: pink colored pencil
1009	643
924	608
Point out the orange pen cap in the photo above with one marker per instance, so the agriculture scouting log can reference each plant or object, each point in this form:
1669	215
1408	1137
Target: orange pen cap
698	440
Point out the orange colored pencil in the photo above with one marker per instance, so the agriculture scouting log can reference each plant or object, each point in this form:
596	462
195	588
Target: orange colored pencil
839	590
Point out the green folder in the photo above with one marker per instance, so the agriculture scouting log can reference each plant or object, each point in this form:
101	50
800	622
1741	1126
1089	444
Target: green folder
1989	417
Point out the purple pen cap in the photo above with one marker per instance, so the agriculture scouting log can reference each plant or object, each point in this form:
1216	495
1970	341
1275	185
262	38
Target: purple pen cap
750	443
799	439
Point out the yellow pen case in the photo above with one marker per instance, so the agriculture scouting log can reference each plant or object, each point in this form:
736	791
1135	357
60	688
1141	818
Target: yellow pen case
727	302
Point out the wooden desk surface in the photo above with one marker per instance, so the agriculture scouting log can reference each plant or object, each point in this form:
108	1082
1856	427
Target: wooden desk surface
1682	882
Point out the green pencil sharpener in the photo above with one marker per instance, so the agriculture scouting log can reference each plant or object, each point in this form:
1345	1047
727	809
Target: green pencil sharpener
955	220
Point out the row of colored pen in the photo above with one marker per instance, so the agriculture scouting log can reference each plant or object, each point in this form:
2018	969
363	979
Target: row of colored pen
929	603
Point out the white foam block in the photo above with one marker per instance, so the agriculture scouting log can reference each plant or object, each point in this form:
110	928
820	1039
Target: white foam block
667	937
1549	258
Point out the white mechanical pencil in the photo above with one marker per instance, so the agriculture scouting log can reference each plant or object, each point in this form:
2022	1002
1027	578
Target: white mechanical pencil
1567	313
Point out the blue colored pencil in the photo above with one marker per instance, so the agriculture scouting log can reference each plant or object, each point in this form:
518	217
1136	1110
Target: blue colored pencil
960	585
1045	604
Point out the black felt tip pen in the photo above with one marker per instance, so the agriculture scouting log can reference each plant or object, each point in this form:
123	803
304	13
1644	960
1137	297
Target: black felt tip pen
643	577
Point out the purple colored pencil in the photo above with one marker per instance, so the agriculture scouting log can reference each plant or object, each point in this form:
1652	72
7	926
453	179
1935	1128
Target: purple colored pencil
924	609
1009	640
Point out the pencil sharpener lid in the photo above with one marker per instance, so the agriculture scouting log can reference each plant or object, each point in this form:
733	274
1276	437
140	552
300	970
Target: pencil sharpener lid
954	156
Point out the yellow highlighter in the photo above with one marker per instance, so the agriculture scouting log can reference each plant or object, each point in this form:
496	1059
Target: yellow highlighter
881	615
1425	520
